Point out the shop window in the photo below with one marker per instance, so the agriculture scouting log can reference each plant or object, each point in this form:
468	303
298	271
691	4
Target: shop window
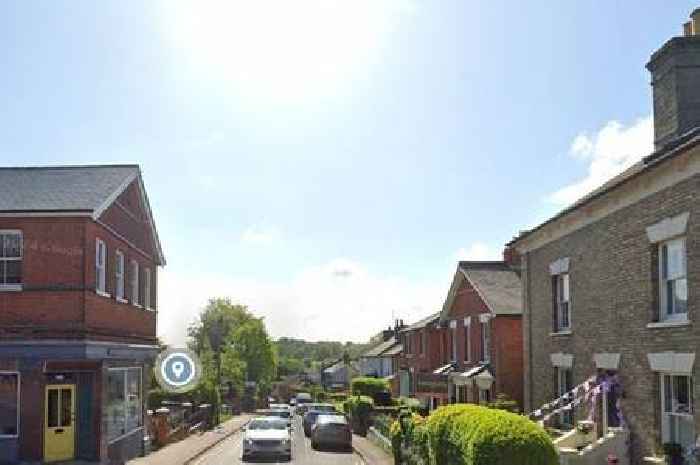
124	402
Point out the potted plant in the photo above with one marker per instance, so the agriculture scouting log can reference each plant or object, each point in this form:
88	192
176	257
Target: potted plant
674	453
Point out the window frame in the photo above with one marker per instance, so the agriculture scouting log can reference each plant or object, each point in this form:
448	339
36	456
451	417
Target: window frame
467	340
134	282
125	371
663	281
13	286
120	276
486	341
566	418
19	404
147	280
453	341
101	268
562	281
672	415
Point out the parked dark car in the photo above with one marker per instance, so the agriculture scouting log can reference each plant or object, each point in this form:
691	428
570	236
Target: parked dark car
314	410
331	431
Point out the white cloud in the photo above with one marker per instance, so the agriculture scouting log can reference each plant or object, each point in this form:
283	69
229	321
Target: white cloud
611	150
338	300
479	251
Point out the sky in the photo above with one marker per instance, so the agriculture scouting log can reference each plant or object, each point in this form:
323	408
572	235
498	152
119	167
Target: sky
327	163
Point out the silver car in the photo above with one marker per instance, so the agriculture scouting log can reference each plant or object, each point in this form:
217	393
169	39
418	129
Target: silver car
267	437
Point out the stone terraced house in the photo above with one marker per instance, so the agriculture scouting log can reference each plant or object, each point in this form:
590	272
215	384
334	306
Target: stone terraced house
611	285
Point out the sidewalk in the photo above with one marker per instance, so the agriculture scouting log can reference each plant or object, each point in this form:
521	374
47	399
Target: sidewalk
182	452
370	452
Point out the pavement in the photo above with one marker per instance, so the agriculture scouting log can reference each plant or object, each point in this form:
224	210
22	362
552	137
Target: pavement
192	447
371	453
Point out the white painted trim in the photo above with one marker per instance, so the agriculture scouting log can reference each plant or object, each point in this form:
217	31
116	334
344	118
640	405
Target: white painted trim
11	287
562	360
607	361
672	362
562	333
103	294
559	266
453	324
467	321
485	317
668	228
668	324
19	404
122	301
113	196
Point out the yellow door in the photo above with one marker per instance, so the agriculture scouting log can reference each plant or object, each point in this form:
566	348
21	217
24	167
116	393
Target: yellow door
59	422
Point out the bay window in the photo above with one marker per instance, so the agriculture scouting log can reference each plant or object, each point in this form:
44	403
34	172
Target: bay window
673	284
10	260
124	402
9	404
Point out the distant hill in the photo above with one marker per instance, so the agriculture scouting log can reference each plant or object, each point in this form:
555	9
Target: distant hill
297	355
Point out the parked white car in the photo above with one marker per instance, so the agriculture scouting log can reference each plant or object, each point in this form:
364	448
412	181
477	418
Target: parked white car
267	437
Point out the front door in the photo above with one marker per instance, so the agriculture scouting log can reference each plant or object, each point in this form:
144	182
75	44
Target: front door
59	422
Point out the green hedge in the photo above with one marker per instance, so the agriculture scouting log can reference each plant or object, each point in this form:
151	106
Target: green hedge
369	386
472	435
359	408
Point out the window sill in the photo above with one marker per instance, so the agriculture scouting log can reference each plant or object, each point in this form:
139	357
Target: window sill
138	305
668	324
122	301
564	332
103	294
10	287
150	309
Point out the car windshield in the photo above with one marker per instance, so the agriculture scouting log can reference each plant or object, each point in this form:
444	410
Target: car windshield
267	424
331	419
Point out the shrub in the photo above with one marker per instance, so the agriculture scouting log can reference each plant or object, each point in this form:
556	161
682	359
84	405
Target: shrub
369	386
503	402
359	408
474	435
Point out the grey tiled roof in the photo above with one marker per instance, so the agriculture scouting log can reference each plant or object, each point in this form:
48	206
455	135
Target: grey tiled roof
423	323
65	188
379	349
395	350
497	284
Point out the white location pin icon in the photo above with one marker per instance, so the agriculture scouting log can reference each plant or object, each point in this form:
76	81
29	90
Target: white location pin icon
178	368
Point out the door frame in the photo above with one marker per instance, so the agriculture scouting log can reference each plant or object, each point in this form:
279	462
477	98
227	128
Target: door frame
73	389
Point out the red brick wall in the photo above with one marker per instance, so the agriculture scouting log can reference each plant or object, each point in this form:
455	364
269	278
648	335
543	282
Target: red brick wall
507	340
58	273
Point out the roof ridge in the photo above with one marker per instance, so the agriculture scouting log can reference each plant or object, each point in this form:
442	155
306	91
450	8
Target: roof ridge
69	167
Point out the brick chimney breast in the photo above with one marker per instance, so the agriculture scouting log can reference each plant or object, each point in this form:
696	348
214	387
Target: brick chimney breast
675	81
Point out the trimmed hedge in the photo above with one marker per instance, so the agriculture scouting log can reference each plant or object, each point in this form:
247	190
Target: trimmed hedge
369	386
359	409
472	435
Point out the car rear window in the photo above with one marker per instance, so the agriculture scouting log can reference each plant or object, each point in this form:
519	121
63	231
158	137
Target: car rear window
332	419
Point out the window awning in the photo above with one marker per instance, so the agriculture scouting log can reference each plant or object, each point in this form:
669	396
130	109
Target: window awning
463	378
444	370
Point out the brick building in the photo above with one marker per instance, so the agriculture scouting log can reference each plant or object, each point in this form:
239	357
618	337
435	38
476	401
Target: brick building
79	255
610	285
481	318
424	353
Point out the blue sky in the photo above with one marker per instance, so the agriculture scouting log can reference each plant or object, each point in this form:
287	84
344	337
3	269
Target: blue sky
328	163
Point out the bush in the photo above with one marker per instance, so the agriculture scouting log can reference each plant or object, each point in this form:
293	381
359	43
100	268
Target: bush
369	386
359	408
474	435
503	402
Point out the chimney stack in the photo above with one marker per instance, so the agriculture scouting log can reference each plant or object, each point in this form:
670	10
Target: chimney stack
675	81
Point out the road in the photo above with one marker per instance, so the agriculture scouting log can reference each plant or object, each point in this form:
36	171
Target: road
229	452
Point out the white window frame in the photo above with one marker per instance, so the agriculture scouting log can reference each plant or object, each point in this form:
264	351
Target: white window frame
12	287
453	341
119	277
467	340
486	341
677	417
101	268
19	404
562	388
147	289
563	306
126	396
666	313
134	281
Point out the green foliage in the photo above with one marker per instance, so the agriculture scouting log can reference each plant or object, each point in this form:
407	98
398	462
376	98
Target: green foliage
474	435
296	352
359	408
369	386
503	402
